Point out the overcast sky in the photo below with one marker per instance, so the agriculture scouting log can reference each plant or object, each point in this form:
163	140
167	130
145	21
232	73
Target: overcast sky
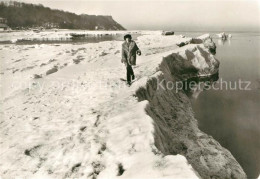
182	15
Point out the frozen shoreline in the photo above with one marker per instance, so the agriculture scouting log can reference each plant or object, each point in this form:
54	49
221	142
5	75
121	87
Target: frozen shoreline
93	130
61	35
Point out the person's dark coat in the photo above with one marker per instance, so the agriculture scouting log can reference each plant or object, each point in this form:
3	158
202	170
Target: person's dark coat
129	52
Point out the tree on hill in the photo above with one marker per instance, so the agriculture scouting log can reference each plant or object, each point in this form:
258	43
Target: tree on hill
23	15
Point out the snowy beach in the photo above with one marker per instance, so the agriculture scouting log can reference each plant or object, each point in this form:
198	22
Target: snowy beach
75	116
66	113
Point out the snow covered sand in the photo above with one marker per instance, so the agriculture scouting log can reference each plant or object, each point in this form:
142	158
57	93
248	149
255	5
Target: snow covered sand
81	120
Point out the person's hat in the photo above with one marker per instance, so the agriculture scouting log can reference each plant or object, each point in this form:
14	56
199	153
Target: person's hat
127	36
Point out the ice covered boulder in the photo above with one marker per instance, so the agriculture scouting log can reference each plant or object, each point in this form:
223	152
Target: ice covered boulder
224	36
207	41
52	70
200	39
198	62
167	33
209	44
181	44
36	76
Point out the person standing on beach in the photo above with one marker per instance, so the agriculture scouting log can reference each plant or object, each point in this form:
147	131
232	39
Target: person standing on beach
129	51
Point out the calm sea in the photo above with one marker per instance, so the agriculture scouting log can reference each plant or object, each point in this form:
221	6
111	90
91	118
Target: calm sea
232	114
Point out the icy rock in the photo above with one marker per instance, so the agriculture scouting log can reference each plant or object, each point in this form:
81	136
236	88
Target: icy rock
167	33
224	36
209	44
181	44
207	41
36	76
52	70
200	39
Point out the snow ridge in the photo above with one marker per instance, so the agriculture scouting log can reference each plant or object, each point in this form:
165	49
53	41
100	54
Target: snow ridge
176	129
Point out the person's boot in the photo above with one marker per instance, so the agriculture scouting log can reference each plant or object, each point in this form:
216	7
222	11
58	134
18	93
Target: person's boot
128	83
133	77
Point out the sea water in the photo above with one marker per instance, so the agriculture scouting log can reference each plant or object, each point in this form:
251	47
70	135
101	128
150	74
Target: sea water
232	114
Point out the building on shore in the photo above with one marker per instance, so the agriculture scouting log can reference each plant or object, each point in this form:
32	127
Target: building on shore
3	27
3	20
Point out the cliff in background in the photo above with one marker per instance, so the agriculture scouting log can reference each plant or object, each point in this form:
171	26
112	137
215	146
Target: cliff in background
22	15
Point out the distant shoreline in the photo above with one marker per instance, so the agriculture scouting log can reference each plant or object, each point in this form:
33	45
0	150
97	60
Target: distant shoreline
207	31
